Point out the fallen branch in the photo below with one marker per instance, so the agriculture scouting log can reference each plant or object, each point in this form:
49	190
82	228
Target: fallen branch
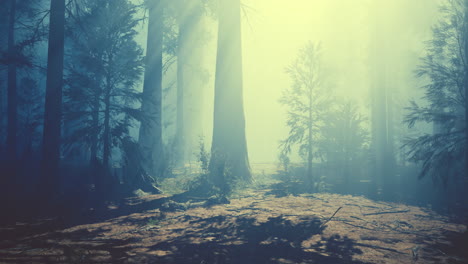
378	247
388	212
329	219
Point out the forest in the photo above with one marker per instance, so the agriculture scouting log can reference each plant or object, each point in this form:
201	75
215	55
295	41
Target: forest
234	131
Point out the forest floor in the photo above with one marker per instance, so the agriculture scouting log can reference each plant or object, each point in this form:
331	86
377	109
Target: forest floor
255	227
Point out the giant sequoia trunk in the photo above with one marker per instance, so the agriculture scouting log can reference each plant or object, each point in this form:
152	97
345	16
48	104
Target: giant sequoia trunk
12	91
229	156
53	100
150	139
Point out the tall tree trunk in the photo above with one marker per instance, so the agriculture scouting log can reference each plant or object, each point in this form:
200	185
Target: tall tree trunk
229	146
150	138
12	91
181	68
53	100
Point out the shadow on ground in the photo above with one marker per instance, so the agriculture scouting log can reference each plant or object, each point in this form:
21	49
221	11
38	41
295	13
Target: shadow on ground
243	240
217	239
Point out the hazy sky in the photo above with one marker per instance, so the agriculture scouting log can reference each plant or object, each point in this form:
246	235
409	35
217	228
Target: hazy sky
273	31
273	35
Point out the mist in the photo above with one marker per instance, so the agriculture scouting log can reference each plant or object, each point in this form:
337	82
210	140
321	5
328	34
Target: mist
233	131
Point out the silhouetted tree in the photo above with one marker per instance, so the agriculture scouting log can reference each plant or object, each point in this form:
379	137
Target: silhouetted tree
445	66
53	100
105	68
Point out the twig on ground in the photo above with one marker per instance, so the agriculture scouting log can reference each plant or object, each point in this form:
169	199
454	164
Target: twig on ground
329	219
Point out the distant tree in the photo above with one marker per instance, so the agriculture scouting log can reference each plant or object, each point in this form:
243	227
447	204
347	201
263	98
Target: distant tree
30	113
344	139
382	108
187	14
445	67
307	103
185	37
229	157
105	67
22	26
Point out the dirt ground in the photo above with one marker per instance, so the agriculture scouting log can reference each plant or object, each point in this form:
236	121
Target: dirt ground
254	228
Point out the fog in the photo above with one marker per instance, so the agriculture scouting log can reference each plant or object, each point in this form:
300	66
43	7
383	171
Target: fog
272	35
234	131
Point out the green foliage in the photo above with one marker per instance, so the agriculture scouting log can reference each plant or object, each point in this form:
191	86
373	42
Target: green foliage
306	101
345	136
441	153
322	127
30	29
102	73
203	156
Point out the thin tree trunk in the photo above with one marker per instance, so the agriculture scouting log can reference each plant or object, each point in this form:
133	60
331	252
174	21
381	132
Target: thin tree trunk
466	91
53	100
12	91
309	142
389	168
4	20
150	138
346	153
229	145
95	121
106	153
382	177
